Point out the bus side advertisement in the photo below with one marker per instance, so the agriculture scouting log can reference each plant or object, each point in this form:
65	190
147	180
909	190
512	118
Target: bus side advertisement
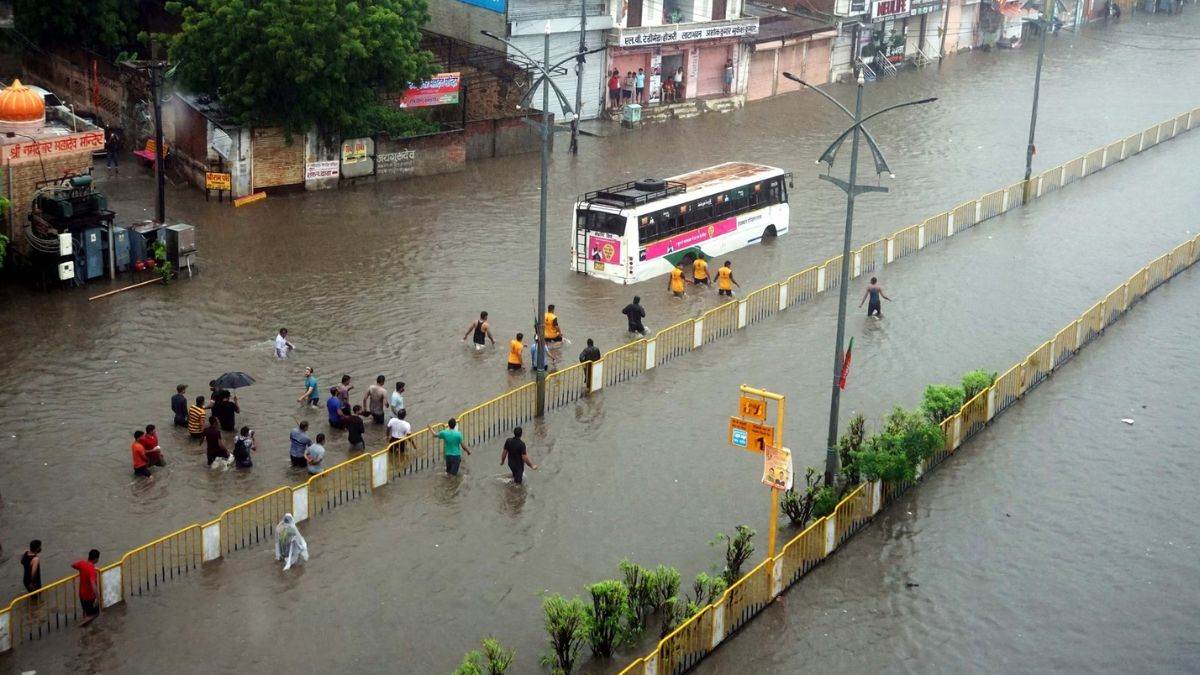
681	241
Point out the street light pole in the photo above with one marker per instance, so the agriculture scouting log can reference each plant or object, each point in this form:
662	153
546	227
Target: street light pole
539	321
1037	88
852	190
160	176
831	452
579	77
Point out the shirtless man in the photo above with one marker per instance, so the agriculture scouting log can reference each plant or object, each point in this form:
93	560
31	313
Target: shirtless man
874	292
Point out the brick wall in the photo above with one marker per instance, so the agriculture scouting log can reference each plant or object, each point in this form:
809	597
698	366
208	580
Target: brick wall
443	152
90	84
501	137
276	163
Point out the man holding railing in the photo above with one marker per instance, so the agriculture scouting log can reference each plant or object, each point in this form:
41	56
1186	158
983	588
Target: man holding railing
89	586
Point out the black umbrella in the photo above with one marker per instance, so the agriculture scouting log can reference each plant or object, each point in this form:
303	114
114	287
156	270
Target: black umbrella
234	380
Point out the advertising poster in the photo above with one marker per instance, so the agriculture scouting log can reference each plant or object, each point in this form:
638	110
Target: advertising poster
604	250
681	241
441	89
777	468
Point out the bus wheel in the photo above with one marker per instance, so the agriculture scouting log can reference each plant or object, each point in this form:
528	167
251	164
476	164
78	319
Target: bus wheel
769	233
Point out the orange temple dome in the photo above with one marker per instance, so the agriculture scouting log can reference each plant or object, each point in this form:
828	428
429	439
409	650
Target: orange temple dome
21	106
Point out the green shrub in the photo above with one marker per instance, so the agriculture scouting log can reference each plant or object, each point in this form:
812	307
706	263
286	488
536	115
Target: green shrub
975	382
824	502
942	401
666	585
706	589
909	436
565	626
472	664
610	605
797	504
640	582
499	658
738	550
850	443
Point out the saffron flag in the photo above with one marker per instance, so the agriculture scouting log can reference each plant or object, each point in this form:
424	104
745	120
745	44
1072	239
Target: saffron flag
846	365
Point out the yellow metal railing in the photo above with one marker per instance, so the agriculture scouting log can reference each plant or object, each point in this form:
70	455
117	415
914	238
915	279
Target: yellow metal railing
720	321
1093	161
964	217
674	341
252	522
803	553
1073	170
851	514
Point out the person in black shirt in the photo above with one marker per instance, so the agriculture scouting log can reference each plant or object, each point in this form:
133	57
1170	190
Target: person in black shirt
635	313
179	405
354	427
589	354
31	564
514	453
226	410
243	445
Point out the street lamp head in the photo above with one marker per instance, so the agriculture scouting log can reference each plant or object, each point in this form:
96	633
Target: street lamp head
490	34
547	28
861	80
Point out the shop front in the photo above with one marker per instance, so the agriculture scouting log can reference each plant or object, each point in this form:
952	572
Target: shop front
699	54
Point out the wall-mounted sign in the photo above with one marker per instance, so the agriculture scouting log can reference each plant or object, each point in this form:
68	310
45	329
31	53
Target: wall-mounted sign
881	9
669	35
217	181
326	169
73	143
441	89
493	5
401	161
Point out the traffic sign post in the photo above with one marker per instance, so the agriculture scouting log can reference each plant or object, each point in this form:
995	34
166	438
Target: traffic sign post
755	435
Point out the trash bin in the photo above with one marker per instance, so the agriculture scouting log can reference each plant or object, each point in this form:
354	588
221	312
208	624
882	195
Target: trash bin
631	114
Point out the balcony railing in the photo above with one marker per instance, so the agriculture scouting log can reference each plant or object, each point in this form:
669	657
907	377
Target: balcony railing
683	32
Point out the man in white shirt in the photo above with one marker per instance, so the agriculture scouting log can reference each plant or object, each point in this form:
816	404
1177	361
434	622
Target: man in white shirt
282	346
398	428
314	454
397	400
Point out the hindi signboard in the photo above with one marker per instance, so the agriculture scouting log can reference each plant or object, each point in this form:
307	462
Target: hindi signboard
441	89
749	436
326	169
215	180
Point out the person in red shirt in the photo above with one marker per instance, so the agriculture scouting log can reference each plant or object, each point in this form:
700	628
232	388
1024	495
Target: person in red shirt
89	586
150	443
141	465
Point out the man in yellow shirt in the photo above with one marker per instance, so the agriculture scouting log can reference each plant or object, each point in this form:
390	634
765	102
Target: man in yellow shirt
554	335
675	284
725	280
515	347
700	271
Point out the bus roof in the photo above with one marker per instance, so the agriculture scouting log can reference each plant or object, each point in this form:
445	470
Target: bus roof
633	194
729	171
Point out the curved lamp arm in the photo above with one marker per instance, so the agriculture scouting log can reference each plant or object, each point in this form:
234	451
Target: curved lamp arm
881	165
831	151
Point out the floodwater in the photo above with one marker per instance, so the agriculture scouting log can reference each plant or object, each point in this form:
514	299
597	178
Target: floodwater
385	278
1061	540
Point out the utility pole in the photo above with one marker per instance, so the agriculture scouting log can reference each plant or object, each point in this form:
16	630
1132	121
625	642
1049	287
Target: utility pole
160	176
539	321
945	30
1037	88
579	77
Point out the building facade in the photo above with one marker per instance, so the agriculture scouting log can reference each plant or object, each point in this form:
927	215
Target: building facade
525	23
704	38
787	43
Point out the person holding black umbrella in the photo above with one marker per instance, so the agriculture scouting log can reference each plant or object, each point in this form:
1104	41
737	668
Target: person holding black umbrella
226	410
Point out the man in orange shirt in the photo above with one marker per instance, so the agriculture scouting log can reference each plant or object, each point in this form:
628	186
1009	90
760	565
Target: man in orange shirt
141	465
515	346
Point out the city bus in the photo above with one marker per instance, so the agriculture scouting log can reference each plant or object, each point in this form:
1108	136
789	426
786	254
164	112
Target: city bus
639	230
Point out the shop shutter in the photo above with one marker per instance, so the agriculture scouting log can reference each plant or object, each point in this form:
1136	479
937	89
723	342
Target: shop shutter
762	75
817	65
710	80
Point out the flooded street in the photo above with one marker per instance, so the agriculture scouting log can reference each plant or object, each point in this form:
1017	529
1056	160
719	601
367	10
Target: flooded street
384	279
1060	540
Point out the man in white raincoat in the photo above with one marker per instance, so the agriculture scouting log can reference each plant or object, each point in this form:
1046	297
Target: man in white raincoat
290	546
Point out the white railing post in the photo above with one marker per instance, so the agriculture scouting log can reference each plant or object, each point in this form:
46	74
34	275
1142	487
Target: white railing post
821	279
650	666
743	313
978	210
783	298
777	577
891	250
921	236
110	587
651	343
1040	186
379	470
597	375
1004	201
300	503
957	433
876	496
6	630
991	404
718	624
211	537
1104	158
830	533
698	333
950	225
857	266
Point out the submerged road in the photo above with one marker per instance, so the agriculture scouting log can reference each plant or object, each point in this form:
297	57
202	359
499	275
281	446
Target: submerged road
416	575
384	278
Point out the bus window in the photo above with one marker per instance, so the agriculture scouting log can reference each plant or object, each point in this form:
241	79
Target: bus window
600	221
776	191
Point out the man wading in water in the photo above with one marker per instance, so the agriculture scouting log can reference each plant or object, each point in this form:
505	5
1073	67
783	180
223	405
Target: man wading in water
874	292
479	330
